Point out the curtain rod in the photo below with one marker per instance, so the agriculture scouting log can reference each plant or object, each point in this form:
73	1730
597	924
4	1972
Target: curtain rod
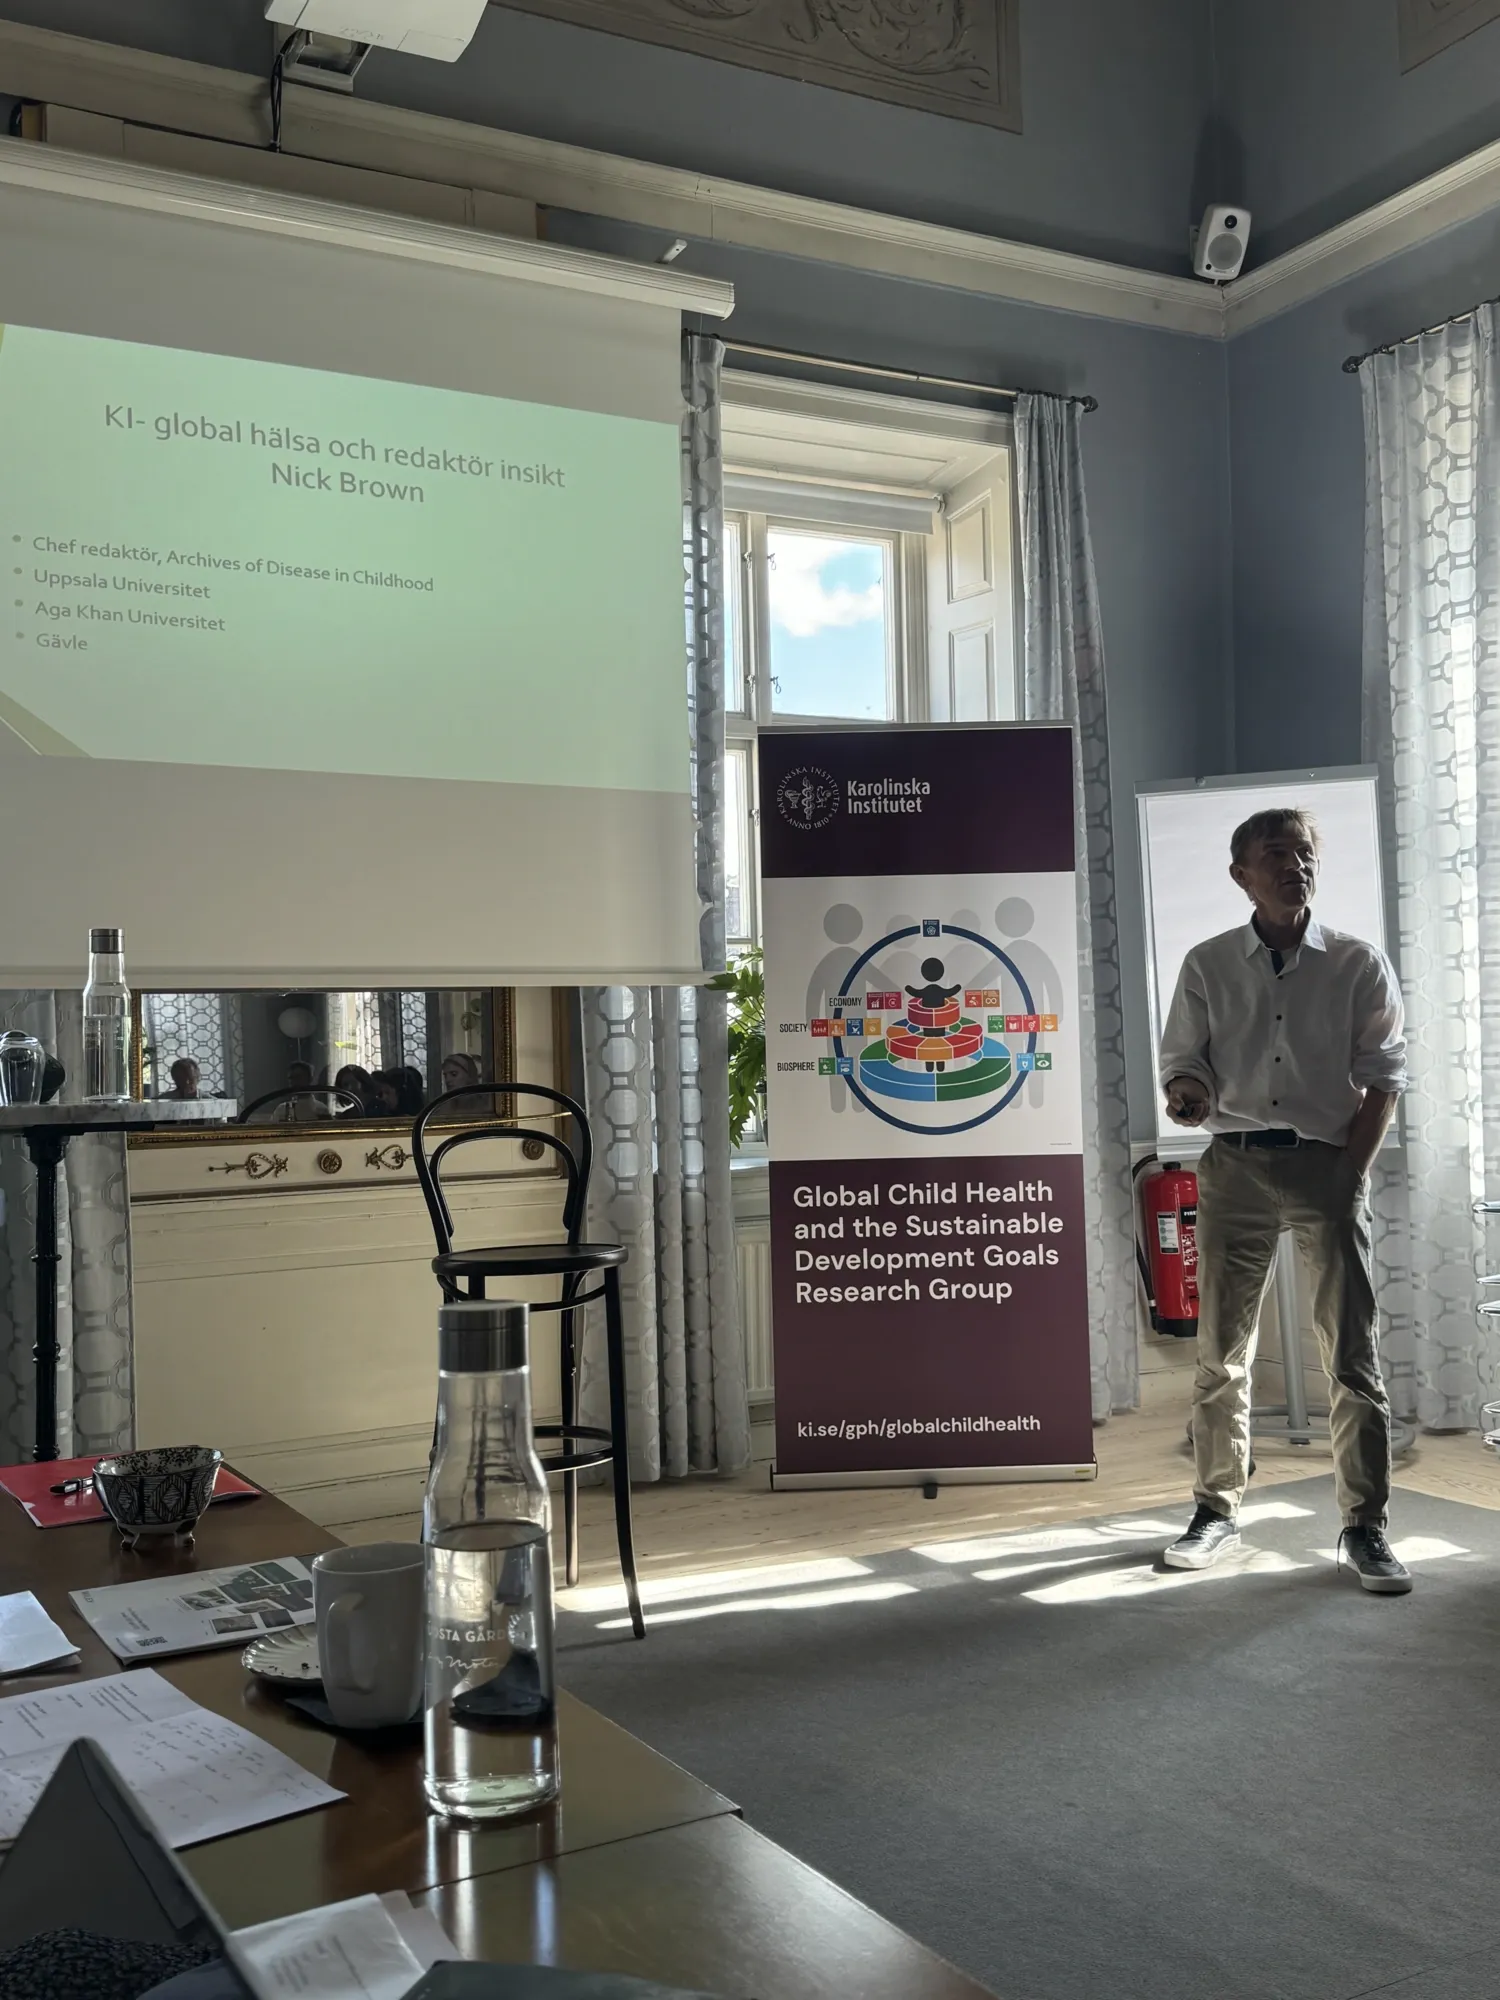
1356	361
1085	403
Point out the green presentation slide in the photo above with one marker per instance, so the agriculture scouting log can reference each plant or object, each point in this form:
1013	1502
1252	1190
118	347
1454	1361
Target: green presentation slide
222	561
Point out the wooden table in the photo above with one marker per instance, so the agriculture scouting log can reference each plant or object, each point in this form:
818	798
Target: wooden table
637	1867
713	1907
381	1836
53	1561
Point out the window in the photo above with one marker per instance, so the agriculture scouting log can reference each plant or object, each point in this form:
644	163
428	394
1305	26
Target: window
831	627
840	620
812	632
734	614
740	918
867	578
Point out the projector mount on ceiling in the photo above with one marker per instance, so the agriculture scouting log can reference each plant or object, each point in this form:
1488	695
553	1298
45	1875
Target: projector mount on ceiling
440	29
331	62
323	42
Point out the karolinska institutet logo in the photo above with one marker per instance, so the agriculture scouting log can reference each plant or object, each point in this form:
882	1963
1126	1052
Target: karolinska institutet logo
809	796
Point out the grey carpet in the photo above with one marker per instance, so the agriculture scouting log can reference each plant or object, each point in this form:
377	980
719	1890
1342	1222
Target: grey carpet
1265	1785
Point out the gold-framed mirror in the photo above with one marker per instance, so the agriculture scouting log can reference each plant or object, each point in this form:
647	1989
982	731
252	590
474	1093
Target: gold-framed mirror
308	1062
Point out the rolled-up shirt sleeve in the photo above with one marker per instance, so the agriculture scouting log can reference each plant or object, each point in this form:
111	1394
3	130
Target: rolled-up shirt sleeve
1184	1039
1380	1032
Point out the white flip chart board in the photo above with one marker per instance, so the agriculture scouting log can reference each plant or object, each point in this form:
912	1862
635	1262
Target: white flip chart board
1185	831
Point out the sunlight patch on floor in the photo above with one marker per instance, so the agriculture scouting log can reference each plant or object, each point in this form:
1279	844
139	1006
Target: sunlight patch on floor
1044	1541
713	1583
1413	1549
1035	1569
1147	1581
803	1600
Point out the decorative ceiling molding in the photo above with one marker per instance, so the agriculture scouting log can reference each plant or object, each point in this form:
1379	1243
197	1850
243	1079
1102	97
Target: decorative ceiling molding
683	203
224	105
1467	190
1427	27
958	58
165	91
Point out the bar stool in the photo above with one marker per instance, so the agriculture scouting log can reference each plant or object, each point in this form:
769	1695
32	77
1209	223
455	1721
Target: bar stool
463	1274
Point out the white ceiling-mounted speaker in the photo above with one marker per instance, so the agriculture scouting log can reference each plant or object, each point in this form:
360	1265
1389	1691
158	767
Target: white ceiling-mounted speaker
442	29
1220	242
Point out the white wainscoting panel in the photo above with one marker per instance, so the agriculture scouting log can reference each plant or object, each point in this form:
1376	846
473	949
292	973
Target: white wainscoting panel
297	1331
752	1252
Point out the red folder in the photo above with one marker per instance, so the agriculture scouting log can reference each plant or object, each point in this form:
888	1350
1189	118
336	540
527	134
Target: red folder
32	1484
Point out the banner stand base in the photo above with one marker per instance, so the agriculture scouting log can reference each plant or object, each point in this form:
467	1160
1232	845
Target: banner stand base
943	1475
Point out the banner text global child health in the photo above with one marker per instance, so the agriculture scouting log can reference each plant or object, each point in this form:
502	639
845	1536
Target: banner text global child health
878	1237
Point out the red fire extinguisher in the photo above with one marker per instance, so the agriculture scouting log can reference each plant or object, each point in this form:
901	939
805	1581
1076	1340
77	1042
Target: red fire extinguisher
1170	1203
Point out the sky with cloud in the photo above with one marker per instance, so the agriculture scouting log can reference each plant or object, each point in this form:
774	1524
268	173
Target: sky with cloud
828	626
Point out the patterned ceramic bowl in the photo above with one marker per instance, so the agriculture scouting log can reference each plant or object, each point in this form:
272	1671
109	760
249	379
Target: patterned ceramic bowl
160	1492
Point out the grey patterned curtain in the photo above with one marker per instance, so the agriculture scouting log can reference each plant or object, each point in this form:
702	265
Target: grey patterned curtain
1064	682
656	1076
1431	701
95	1390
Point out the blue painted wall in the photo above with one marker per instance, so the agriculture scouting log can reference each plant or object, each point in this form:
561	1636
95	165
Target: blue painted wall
1317	120
1297	483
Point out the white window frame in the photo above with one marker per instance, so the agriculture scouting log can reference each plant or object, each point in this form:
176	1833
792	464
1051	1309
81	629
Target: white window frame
811	414
905	659
760	529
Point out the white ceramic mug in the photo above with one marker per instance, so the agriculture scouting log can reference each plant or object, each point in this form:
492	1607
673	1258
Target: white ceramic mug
368	1603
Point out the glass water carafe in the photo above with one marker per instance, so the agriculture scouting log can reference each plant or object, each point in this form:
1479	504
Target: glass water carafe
489	1730
106	1021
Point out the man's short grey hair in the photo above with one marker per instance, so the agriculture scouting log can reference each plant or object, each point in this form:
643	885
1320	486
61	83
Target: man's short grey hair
1275	819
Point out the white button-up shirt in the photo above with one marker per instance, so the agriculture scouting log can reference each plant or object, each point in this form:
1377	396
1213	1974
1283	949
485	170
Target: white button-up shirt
1295	1051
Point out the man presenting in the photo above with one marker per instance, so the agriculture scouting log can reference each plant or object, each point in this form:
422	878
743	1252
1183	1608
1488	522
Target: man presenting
1286	1040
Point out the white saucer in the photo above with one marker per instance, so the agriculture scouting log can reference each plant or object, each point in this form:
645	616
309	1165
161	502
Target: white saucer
289	1658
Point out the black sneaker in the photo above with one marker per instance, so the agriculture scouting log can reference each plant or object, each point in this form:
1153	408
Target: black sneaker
1208	1536
1370	1556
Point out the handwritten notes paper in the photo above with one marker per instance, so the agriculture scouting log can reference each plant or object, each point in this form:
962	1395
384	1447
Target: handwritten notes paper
371	1948
196	1774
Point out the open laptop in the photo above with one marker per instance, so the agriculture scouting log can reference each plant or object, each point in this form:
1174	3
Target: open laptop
88	1860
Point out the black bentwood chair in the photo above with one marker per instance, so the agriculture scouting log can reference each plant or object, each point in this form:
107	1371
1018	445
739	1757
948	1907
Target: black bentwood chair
463	1274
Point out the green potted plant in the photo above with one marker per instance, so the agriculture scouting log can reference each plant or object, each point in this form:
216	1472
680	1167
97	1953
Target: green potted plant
745	984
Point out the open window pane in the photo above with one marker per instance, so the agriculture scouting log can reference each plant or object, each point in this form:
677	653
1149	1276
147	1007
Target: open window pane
734	616
739	908
831	623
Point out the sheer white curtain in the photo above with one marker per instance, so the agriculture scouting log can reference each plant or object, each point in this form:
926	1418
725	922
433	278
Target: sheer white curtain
656	1070
1064	682
1432	723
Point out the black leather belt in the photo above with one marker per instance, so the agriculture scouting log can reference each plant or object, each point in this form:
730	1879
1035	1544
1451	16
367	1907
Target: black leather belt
1277	1139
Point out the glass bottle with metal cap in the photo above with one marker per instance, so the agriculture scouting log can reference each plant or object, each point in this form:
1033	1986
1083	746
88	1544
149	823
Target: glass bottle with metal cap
106	1021
489	1732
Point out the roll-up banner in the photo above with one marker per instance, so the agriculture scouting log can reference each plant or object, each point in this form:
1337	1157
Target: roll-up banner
924	1108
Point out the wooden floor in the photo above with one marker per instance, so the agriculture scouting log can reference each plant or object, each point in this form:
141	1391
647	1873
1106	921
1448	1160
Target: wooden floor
687	1526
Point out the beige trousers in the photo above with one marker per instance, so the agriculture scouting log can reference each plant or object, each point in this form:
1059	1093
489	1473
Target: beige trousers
1245	1199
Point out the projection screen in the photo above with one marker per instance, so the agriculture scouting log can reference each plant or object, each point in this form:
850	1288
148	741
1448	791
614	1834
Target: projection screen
345	644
